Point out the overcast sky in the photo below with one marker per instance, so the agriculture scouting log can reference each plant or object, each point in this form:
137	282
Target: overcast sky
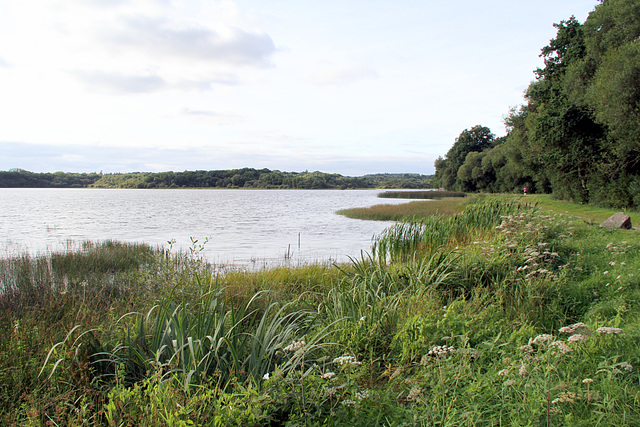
344	86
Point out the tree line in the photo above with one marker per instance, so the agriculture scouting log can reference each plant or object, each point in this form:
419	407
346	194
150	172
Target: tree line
578	133
234	178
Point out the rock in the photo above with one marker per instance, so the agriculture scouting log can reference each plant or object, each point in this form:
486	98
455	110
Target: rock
619	220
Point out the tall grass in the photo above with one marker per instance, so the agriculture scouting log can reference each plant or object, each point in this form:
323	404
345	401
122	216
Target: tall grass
431	194
406	211
28	281
426	235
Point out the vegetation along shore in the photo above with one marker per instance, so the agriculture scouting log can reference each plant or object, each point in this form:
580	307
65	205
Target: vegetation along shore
504	313
231	178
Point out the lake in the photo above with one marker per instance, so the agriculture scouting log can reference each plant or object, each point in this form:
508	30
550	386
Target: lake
247	228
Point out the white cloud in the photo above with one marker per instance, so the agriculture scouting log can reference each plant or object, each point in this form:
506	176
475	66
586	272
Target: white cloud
340	76
191	40
121	83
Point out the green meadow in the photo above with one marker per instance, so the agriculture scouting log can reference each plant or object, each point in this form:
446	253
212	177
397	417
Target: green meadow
496	310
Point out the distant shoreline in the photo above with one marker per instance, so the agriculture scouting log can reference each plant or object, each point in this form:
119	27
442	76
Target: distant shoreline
246	178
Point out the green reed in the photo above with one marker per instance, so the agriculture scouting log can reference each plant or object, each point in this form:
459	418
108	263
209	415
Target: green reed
432	194
426	235
28	281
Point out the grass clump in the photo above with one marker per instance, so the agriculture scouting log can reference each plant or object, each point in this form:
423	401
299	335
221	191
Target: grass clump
406	211
502	313
431	194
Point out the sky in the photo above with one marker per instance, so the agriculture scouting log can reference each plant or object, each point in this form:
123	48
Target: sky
339	86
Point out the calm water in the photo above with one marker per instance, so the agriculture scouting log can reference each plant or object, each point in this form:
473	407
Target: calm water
245	227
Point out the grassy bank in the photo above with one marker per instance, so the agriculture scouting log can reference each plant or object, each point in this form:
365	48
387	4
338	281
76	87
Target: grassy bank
406	211
502	314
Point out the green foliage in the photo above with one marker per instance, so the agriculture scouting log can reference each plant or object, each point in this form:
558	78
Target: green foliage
471	140
234	178
577	135
515	317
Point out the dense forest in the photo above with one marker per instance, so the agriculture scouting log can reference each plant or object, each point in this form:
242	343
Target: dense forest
235	178
577	135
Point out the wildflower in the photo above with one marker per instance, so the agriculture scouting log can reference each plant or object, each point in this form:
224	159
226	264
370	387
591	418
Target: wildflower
576	338
523	370
440	351
362	394
509	383
265	376
328	375
503	373
612	263
541	339
561	346
606	272
526	348
348	402
565	397
587	381
608	330
295	346
363	318
346	360
576	328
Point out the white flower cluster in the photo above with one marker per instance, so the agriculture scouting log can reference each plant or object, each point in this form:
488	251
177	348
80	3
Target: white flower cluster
295	346
541	339
362	394
577	338
346	360
561	346
565	397
328	375
441	351
576	328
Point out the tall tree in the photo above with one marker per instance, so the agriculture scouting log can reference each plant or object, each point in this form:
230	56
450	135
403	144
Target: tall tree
476	139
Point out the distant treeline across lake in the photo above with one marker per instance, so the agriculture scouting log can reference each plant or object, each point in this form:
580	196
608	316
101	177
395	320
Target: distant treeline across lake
232	178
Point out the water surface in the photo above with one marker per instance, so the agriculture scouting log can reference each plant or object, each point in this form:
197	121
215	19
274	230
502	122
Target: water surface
245	227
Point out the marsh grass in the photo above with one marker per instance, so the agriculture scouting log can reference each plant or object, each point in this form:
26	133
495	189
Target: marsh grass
431	194
502	314
406	211
95	269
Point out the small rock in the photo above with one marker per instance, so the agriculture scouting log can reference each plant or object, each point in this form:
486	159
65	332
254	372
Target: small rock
619	220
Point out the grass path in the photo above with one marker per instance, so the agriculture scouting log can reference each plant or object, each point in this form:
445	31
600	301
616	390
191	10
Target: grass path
587	212
448	206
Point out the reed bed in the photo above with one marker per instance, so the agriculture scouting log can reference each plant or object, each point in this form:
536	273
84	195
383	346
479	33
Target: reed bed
406	211
429	194
426	235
